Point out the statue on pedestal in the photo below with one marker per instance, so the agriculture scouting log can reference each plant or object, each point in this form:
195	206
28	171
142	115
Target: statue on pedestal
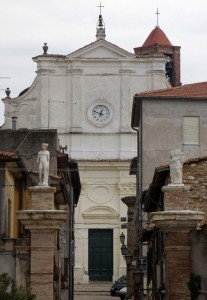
43	160
176	166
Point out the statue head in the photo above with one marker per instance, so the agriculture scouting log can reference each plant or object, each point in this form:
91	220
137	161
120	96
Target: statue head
44	146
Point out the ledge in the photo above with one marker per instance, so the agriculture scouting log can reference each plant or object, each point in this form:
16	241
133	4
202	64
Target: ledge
183	220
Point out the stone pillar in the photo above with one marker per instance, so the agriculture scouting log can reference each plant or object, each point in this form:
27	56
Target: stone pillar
43	222
176	222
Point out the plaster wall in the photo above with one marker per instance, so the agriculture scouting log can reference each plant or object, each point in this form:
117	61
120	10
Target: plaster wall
162	131
103	185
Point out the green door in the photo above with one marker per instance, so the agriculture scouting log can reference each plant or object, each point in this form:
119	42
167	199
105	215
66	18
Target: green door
100	254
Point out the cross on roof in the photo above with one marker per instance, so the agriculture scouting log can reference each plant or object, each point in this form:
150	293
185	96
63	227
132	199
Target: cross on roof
100	6
157	13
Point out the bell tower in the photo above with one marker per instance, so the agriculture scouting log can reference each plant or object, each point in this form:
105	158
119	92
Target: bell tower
156	44
100	28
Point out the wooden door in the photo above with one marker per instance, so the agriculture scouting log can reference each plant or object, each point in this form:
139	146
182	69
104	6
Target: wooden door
100	254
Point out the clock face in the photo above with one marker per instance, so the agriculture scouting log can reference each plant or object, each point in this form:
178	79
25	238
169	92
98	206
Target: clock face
100	114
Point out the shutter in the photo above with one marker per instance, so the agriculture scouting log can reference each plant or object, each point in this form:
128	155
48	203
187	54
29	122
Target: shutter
191	130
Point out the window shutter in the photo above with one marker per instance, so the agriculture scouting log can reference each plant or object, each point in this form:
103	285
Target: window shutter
191	130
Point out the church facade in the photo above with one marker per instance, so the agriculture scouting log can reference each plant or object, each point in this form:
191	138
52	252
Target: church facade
87	96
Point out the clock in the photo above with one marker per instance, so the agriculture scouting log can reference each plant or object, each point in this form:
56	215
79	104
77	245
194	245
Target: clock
100	113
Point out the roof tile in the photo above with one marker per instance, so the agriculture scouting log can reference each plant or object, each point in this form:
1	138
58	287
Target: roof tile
157	36
193	90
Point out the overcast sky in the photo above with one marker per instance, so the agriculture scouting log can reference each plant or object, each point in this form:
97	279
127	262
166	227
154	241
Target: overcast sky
67	25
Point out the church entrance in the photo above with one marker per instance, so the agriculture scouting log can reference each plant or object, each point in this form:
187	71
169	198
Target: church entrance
100	254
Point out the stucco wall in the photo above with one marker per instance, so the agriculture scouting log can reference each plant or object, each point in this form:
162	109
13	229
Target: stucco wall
162	132
26	144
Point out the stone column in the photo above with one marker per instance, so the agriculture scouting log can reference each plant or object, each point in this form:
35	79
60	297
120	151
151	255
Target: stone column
176	222
43	222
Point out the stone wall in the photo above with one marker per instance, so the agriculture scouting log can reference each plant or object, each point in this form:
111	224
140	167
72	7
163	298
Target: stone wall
195	175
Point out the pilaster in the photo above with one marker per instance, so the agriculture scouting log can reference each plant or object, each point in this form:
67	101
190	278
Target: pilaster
43	222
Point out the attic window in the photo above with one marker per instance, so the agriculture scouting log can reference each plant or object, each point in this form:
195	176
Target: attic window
191	130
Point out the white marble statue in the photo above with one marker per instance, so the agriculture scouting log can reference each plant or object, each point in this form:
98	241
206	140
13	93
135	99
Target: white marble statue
176	166
43	160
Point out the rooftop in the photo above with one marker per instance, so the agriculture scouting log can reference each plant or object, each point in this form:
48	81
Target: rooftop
193	90
157	37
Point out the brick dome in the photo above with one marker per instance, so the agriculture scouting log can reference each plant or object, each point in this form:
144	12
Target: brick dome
157	36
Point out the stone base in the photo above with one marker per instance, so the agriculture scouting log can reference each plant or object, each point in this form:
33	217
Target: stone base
183	220
176	197
42	197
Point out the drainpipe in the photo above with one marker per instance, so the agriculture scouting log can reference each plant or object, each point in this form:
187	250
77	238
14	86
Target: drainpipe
139	192
71	245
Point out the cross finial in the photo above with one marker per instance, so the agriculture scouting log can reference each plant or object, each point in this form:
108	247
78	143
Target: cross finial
157	13
100	6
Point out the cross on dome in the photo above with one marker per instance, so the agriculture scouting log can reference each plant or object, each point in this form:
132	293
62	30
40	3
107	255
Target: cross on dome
100	6
157	13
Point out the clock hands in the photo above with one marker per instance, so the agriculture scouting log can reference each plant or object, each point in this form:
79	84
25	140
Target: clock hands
100	113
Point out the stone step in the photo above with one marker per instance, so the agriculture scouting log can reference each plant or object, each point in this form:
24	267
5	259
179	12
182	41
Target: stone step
93	287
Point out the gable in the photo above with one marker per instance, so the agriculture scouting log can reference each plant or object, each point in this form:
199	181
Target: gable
99	50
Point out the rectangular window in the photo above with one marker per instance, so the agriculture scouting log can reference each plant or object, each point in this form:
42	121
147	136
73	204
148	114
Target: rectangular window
191	130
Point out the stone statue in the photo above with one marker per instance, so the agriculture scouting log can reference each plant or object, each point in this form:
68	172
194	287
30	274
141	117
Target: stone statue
176	166
43	160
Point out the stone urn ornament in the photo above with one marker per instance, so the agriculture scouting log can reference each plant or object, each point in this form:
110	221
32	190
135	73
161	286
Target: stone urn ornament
45	48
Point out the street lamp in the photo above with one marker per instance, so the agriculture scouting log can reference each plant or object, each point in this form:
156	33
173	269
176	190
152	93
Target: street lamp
138	280
138	277
128	258
123	249
122	238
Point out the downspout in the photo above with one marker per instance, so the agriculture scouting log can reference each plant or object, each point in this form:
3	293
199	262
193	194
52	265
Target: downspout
71	244
139	189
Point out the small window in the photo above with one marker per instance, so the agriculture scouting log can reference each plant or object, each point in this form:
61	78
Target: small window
191	130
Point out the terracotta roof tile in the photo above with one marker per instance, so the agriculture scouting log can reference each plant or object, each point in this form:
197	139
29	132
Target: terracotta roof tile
193	90
157	36
6	154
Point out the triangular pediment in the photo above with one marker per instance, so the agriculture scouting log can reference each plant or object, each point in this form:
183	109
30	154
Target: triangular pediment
100	49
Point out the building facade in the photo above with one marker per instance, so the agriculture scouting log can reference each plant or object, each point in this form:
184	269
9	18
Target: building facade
172	119
87	96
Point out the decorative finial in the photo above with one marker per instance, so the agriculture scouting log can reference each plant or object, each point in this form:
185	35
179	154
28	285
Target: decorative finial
45	48
8	92
157	13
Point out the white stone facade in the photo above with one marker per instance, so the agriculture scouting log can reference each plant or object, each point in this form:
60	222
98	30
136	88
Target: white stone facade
70	93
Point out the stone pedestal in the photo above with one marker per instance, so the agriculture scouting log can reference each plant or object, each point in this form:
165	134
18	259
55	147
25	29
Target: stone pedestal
176	223
43	222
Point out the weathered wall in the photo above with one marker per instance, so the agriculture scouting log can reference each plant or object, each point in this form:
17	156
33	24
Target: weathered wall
195	175
26	144
162	132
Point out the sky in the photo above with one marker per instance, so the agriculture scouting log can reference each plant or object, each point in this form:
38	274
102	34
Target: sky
67	25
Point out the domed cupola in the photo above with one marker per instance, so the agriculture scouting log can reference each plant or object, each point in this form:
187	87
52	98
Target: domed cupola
157	37
157	43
